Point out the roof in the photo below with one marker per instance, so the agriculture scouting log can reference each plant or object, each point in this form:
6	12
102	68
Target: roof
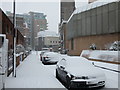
91	6
47	33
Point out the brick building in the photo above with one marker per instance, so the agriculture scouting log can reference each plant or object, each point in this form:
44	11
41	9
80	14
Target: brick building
7	27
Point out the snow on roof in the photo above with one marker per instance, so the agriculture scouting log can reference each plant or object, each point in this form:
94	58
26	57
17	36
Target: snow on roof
47	33
91	6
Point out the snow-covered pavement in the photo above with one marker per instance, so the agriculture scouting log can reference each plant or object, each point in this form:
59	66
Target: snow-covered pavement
31	73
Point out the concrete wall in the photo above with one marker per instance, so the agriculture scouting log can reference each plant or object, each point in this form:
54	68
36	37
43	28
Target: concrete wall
97	21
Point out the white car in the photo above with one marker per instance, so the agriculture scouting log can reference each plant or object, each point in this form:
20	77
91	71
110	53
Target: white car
78	72
50	58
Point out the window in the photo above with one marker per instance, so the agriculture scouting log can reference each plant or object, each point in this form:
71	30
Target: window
72	44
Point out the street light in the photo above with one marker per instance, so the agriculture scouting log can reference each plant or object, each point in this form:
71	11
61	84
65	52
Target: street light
14	41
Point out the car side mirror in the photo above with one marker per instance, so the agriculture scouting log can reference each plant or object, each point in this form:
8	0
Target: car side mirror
62	67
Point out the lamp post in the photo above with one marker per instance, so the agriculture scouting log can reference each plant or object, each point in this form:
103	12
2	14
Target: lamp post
14	41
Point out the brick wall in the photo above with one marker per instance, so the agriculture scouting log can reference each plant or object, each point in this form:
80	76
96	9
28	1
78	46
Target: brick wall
83	43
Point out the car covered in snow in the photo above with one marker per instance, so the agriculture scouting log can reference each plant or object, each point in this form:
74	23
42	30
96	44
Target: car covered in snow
78	72
41	55
50	58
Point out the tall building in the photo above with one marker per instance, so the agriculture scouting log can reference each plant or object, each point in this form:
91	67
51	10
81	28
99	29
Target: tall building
38	22
67	8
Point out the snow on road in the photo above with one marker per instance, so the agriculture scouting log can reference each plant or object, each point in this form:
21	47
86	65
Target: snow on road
33	74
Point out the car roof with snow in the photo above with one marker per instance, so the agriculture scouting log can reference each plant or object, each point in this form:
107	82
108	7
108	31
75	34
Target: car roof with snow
76	61
51	53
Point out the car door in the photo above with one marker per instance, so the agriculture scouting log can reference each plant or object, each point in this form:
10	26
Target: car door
62	67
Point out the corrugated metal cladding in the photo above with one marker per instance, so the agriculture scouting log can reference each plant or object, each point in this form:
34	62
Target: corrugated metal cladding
100	20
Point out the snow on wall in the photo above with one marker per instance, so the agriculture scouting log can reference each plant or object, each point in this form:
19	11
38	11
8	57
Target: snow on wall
91	6
101	55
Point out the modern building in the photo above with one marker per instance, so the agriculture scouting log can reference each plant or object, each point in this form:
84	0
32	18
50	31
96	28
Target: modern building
96	23
67	8
38	23
48	39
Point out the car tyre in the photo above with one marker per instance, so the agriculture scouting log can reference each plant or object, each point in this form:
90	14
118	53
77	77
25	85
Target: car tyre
68	82
57	74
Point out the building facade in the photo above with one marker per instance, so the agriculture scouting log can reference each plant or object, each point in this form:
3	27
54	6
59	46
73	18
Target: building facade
67	8
7	28
38	22
48	39
94	24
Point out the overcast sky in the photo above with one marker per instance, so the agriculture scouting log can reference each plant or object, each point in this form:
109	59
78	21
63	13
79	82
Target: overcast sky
49	8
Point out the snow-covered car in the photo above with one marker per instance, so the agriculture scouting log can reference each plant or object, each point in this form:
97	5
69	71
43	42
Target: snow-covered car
50	58
41	55
78	72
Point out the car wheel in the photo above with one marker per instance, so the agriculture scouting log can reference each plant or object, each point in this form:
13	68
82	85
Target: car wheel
41	58
68	82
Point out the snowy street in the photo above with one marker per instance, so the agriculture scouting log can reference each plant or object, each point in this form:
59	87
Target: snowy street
31	73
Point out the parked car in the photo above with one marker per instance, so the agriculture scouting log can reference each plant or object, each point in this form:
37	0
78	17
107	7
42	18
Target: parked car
78	72
41	55
50	58
45	49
